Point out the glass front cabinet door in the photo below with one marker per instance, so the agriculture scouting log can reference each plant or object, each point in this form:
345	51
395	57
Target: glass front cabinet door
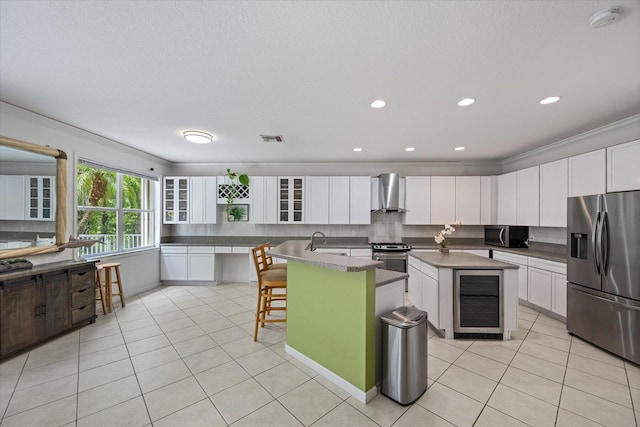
290	199
41	198
176	200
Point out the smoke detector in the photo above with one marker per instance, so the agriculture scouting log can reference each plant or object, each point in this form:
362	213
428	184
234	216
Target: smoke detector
272	138
605	17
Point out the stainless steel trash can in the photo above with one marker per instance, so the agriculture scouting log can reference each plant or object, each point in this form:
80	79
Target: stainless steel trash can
404	354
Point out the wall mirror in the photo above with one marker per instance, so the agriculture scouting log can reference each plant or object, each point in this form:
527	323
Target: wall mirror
33	199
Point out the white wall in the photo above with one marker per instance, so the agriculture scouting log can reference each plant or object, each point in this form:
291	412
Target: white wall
26	126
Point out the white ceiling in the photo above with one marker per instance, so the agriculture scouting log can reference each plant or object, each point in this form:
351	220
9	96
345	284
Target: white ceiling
141	72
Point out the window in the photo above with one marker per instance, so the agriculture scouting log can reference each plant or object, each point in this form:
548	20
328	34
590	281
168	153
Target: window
115	207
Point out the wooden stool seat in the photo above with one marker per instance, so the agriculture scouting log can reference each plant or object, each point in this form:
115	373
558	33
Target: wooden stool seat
272	286
109	282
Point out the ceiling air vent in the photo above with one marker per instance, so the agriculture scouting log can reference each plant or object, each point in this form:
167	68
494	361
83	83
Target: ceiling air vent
272	138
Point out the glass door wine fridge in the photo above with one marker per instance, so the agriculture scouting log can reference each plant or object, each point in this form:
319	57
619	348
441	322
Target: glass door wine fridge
478	302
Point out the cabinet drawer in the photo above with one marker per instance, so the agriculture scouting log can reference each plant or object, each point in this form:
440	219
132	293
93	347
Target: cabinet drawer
83	313
82	279
173	249
362	253
429	270
507	257
240	249
543	264
202	249
223	249
82	297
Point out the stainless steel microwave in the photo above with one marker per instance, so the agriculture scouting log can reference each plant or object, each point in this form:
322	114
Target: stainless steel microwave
508	236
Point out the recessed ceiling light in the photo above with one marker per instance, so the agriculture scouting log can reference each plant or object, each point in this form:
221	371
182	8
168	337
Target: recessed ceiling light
357	149
197	137
550	100
378	103
466	102
409	149
459	148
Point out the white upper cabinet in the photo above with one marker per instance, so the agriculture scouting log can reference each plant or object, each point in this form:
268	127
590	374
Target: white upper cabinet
176	200
203	200
623	167
417	200
360	200
528	193
489	199
339	200
375	193
12	197
264	199
587	173
443	199
290	200
468	193
554	187
256	210
507	204
317	200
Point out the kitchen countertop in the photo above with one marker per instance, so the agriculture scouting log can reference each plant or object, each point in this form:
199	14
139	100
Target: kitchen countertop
296	250
384	277
547	251
461	260
332	242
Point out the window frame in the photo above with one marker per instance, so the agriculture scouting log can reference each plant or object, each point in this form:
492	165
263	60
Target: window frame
149	196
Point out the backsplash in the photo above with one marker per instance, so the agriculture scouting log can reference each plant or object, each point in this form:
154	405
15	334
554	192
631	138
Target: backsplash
385	227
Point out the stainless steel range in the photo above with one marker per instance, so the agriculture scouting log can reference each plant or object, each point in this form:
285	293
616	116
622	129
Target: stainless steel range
393	255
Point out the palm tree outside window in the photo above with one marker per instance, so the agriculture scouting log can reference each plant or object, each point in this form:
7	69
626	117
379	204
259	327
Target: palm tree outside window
115	206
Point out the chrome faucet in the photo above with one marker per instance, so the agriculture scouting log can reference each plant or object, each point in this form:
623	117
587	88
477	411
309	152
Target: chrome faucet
324	239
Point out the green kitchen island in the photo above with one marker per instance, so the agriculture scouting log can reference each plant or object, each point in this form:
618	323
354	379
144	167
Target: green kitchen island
333	307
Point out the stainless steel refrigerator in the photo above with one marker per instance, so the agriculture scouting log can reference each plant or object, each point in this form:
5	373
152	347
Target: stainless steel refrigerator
603	271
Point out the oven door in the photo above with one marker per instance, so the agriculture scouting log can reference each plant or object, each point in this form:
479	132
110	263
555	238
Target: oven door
395	261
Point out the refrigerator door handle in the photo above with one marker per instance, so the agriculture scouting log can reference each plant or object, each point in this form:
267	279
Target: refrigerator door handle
596	244
604	241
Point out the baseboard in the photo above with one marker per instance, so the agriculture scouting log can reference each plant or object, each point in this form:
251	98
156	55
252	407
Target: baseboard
362	396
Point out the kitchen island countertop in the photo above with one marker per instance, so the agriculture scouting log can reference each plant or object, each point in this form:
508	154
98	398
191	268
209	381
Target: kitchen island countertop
460	260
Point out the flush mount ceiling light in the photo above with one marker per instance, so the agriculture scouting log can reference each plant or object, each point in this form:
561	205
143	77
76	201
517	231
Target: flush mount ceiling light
357	149
197	137
605	17
550	100
466	102
378	103
459	148
409	149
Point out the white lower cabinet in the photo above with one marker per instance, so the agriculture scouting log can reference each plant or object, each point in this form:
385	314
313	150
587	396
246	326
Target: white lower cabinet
540	288
521	261
431	299
548	285
361	253
201	263
414	287
559	294
174	263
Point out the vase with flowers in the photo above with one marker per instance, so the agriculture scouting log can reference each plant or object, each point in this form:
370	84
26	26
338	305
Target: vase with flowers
441	238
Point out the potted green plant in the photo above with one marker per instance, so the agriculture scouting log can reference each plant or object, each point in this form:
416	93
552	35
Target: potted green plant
235	213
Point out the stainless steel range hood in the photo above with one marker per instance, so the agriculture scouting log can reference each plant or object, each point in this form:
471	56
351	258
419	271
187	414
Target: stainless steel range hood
389	190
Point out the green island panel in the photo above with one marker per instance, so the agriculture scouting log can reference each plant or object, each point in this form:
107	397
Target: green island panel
331	320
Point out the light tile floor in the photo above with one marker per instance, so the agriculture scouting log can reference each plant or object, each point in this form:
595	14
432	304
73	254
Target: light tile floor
183	355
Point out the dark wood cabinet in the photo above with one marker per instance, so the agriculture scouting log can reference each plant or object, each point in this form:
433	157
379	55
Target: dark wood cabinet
45	301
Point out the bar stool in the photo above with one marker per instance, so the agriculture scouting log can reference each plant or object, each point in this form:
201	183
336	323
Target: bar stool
269	279
100	293
109	282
